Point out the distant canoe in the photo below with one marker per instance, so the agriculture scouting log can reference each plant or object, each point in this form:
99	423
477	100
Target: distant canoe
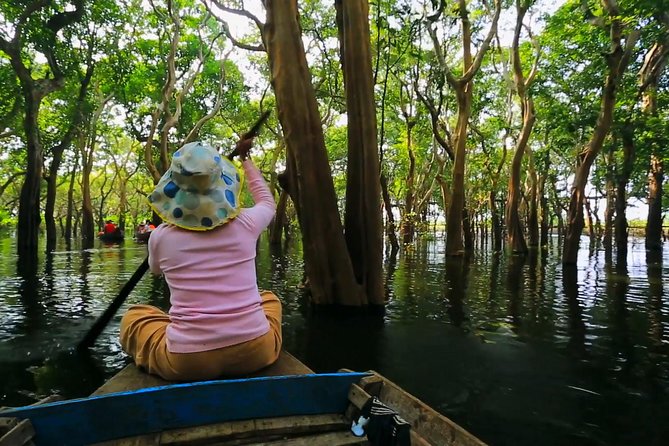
142	237
114	237
283	404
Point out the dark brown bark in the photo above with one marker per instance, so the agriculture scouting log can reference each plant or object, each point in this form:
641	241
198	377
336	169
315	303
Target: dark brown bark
29	202
327	263
362	220
617	61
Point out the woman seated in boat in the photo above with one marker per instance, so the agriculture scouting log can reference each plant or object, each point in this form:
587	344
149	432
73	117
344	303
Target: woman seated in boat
219	324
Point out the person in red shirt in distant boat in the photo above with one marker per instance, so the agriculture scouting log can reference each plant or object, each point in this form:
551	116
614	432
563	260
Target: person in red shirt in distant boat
110	227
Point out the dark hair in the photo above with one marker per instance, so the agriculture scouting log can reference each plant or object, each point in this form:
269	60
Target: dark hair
109	221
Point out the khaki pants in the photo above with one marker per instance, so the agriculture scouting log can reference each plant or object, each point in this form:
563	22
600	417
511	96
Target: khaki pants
143	330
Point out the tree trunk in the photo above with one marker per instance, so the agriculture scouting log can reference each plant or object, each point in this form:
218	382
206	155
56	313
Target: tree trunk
454	242
51	186
70	197
467	229
122	203
409	214
514	226
533	213
495	221
87	218
58	150
387	204
29	201
591	232
620	223
515	235
610	210
654	64
617	61
327	263
543	201
276	229
655	193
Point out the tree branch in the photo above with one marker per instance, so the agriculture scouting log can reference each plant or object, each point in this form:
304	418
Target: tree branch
484	47
226	28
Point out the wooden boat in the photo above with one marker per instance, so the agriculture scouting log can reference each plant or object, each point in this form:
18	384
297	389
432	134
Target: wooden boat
142	237
114	237
285	404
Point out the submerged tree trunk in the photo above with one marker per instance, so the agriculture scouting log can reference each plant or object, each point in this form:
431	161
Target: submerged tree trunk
409	215
620	223
327	263
514	226
70	197
617	61
363	227
654	64
495	222
533	212
655	193
544	211
610	210
50	204
390	217
29	202
279	222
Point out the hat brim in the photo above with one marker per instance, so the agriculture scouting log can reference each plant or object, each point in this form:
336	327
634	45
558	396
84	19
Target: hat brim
194	211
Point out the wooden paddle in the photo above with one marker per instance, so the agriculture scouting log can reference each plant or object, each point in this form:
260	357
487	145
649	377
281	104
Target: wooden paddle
253	132
109	313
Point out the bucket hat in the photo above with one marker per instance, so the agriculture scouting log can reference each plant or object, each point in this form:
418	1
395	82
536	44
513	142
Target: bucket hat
199	191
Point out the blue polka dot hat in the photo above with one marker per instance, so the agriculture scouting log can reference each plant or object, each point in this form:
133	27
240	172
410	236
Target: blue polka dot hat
199	191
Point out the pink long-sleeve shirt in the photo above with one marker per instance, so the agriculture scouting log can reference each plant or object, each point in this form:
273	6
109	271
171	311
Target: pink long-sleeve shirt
212	276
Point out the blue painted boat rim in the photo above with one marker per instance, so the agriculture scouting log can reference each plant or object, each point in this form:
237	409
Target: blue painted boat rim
7	412
151	410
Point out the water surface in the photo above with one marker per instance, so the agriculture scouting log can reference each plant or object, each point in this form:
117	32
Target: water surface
518	351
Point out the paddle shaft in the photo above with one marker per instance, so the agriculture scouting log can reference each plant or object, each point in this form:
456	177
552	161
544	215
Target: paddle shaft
109	313
253	132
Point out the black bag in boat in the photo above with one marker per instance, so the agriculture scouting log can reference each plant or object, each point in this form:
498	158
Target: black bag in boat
383	426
